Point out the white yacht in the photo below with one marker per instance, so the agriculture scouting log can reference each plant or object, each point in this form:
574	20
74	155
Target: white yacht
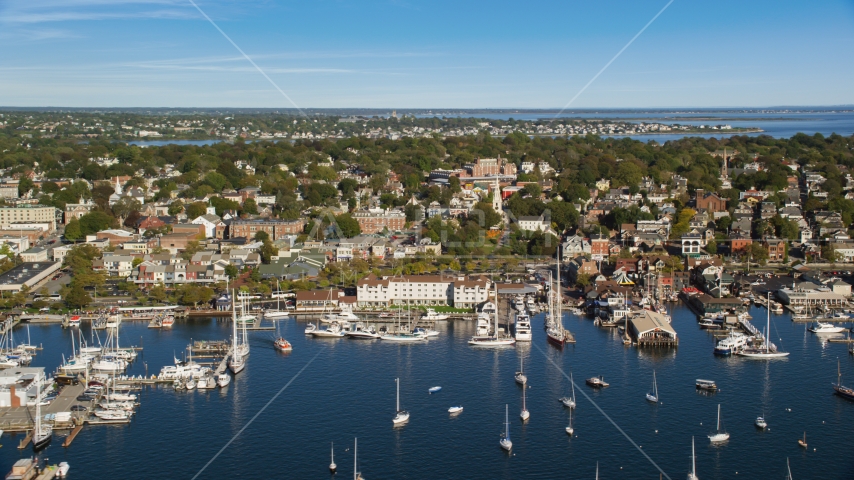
824	327
482	326
731	344
361	331
494	340
523	328
431	315
333	330
769	351
223	379
277	313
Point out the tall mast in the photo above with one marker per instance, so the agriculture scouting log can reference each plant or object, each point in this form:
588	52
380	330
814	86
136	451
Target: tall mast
234	320
397	381
355	457
719	417
768	327
693	460
558	318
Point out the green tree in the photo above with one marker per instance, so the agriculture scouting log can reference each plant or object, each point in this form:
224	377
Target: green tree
231	271
158	293
72	230
348	225
176	207
712	247
196	209
829	253
758	252
268	251
582	280
250	207
262	236
193	247
77	297
95	221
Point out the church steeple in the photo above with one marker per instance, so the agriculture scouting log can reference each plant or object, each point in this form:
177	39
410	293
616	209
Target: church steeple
496	197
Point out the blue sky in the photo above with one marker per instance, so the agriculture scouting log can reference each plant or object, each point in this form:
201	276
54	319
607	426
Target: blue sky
438	54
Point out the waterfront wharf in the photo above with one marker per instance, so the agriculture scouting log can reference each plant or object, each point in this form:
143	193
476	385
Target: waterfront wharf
20	419
840	340
71	436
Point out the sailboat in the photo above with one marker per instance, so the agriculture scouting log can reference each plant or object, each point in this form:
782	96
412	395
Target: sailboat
769	351
789	470
555	333
521	378
332	466
569	402
357	475
505	442
569	429
42	434
653	397
278	313
237	361
841	390
494	340
693	474
525	414
720	435
401	336
402	416
803	441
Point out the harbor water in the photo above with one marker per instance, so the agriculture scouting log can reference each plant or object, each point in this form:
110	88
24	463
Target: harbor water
283	411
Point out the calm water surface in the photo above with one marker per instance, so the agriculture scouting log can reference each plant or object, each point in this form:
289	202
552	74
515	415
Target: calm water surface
349	391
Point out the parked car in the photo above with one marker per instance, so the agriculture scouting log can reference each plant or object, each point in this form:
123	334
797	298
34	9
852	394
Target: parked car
83	398
78	408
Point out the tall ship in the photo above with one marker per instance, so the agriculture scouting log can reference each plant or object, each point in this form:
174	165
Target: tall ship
555	333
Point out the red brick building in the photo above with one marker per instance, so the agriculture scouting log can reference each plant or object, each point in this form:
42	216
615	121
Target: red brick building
599	245
776	248
276	229
376	221
739	242
710	201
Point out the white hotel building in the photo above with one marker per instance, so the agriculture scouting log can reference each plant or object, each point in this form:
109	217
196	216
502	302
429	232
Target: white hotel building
429	290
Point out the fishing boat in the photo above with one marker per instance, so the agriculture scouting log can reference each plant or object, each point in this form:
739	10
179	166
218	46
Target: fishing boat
569	429
401	416
505	441
223	379
569	402
435	389
769	351
332	466
653	397
280	343
693	474
310	328
719	436
455	409
709	385
824	328
597	382
842	391
709	324
74	321
520	376
523	328
803	441
760	422
524	414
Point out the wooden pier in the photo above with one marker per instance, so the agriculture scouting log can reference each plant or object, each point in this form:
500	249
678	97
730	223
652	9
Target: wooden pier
71	436
26	440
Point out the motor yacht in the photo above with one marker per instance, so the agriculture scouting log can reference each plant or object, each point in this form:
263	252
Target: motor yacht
824	327
731	344
523	328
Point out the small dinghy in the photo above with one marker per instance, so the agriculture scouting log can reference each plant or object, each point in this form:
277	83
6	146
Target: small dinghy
434	389
456	409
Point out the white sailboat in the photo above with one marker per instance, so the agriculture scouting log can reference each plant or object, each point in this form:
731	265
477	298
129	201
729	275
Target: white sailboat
357	475
569	402
402	416
42	434
332	466
505	441
569	430
403	337
693	474
769	351
719	436
653	397
278	313
237	360
525	414
520	376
